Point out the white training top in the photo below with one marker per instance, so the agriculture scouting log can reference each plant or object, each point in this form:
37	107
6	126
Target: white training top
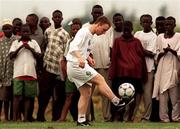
25	63
81	43
100	48
148	41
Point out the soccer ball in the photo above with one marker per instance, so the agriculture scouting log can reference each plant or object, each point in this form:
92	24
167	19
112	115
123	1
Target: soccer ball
126	90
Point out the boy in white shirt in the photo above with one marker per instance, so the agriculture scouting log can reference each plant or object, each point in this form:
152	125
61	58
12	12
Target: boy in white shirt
166	78
24	52
148	41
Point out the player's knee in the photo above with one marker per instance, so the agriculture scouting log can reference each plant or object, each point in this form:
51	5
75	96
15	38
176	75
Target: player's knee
86	96
100	78
88	93
85	91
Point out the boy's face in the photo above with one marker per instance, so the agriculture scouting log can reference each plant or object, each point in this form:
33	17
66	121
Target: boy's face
146	23
169	26
25	32
44	23
96	12
160	26
74	29
30	21
127	32
7	29
57	18
101	29
118	21
17	25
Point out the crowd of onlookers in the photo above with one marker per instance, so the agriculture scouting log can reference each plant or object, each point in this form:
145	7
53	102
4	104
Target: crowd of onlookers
33	64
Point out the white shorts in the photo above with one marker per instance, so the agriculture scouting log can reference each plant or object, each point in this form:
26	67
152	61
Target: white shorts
79	75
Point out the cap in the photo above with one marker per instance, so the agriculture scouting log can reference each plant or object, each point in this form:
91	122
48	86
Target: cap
7	22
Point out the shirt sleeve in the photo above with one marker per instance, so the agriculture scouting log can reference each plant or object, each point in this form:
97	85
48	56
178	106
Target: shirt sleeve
111	36
13	47
36	47
178	51
77	41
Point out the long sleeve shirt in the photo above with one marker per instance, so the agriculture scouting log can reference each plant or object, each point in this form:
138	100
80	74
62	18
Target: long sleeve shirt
128	59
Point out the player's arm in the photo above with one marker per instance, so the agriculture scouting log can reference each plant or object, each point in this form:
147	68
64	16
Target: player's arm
91	61
80	59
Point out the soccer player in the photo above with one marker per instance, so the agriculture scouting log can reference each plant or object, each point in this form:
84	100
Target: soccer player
79	68
72	94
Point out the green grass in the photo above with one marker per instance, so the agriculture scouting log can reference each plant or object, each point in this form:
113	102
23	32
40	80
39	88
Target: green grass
98	124
95	125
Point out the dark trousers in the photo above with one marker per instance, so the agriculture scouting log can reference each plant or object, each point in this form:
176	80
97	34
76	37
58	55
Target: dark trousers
58	100
155	110
74	106
49	86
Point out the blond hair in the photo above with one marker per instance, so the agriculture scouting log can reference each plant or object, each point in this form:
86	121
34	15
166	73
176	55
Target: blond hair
102	20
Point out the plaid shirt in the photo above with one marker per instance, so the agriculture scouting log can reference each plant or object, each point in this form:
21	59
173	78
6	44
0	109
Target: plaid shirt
57	39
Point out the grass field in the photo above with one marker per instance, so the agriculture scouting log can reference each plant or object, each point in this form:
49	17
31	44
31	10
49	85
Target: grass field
98	125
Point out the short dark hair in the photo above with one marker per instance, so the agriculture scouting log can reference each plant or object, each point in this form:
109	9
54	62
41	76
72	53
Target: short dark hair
57	11
16	19
146	15
160	18
102	20
97	6
44	18
171	18
128	24
118	14
24	25
36	18
76	21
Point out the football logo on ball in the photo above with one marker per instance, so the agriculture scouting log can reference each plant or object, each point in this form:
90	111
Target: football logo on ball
126	90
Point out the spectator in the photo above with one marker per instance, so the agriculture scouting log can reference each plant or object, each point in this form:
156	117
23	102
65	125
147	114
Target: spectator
24	75
166	80
51	81
6	68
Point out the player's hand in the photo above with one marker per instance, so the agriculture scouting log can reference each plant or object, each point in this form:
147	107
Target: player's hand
81	62
91	61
